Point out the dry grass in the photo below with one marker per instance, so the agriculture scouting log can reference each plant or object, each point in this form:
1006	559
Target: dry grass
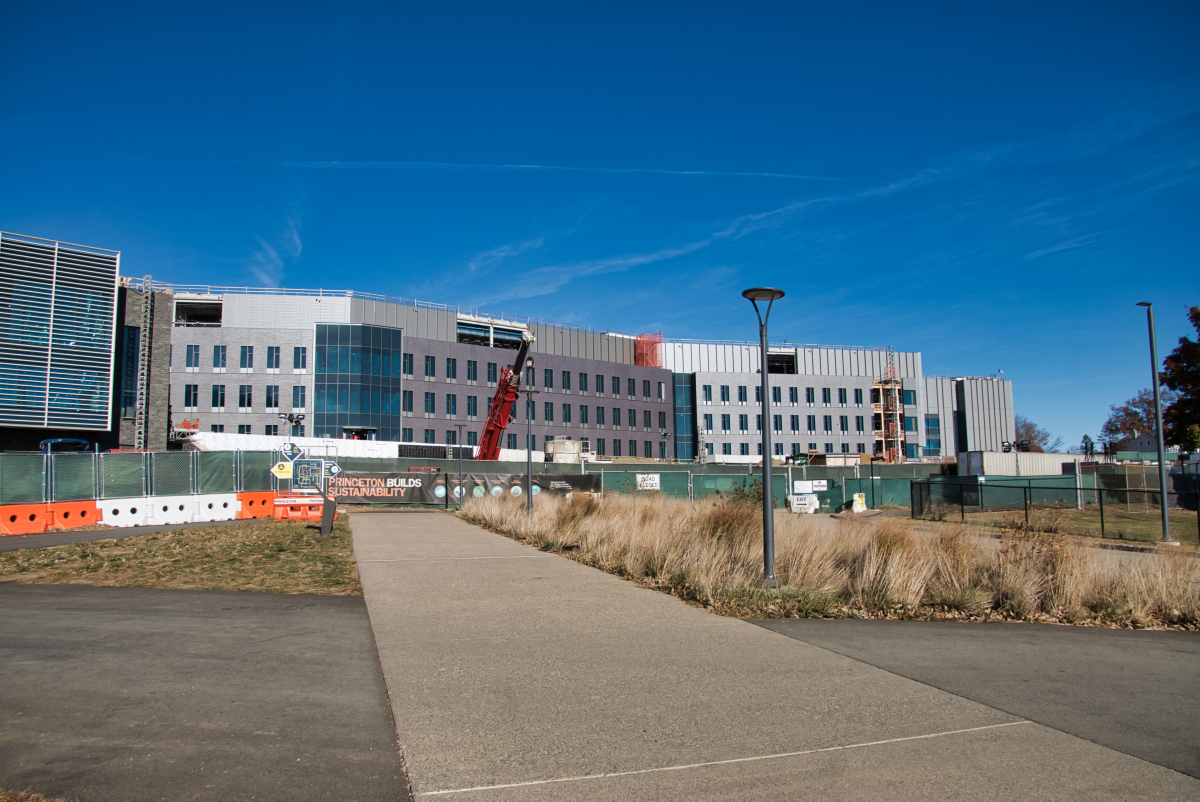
710	553
261	555
24	796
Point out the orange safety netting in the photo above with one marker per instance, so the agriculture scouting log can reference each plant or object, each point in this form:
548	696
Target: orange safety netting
649	350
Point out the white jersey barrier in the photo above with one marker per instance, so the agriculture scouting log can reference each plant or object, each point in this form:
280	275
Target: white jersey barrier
157	510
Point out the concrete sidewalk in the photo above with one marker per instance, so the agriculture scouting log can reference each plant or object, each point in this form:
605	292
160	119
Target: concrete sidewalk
519	675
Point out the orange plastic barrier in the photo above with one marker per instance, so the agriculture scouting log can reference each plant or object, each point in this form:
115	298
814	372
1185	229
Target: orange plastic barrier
23	519
71	514
299	509
255	505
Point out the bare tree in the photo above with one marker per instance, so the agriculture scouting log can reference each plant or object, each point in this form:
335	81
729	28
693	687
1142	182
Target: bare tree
1039	439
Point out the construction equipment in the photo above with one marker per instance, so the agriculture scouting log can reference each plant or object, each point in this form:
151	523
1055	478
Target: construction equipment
886	397
145	352
507	390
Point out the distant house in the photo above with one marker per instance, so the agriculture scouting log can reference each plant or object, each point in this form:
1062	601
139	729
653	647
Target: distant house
1140	442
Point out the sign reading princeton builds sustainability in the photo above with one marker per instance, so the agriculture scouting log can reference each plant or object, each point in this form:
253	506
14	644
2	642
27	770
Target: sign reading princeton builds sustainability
361	487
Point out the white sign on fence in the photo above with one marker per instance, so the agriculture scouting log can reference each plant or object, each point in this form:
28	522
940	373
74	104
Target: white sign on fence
802	487
648	481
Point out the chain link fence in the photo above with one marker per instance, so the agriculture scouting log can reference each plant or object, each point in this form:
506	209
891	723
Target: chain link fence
1116	513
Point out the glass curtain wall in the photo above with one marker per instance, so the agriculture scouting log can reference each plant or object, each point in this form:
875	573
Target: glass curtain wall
356	380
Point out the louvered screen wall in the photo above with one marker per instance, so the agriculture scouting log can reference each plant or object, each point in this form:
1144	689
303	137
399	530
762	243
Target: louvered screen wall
57	305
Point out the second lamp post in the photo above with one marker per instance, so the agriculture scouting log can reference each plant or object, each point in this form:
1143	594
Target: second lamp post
770	295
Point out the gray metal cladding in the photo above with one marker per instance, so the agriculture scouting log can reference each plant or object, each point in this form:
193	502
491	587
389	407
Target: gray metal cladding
57	328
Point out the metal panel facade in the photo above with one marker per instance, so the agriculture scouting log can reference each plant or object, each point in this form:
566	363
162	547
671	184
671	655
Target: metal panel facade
57	329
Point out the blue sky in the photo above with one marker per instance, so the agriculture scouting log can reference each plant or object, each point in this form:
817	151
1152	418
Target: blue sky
994	185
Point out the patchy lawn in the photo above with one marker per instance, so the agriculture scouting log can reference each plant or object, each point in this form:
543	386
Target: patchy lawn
259	555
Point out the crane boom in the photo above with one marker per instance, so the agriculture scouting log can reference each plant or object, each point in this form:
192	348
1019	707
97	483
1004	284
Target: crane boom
507	390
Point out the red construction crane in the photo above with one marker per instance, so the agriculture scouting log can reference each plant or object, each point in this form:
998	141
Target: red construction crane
507	390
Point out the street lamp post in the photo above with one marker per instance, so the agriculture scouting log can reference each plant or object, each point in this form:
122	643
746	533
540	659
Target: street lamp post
462	491
1158	427
529	394
770	295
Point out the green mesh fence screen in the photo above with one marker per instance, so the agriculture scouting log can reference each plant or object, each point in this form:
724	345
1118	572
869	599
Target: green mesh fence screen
121	475
171	473
256	470
671	483
20	478
216	471
879	492
72	476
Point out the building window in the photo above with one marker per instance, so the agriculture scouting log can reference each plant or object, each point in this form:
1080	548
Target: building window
191	396
566	380
616	416
406	435
845	448
219	356
493	372
548	379
828	423
192	357
795	421
407	401
616	447
662	450
757	394
794	395
548	411
243	428
812	423
298	397
472	405
662	391
300	358
430	436
858	396
511	442
842	396
743	423
407	365
741	393
812	447
910	398
271	430
272	357
430	367
777	421
451	437
910	424
600	441
706	391
777	395
724	393
795	448
779	449
583	382
810	395
472	370
247	359
725	424
646	391
599	416
826	396
218	397
217	427
829	448
862	448
758	423
647	419
647	446
631	385
726	448
245	397
430	403
272	397
451	368
708	424
662	420
566	412
632	421
843	423
451	404
472	438
583	411
858	423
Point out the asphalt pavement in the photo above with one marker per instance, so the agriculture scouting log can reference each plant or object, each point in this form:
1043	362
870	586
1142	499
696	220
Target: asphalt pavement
1135	692
130	694
519	675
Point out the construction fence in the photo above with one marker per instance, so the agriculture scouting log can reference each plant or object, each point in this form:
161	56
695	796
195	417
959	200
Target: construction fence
1068	506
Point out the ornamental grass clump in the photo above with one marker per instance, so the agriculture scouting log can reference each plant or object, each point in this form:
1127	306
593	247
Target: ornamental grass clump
710	553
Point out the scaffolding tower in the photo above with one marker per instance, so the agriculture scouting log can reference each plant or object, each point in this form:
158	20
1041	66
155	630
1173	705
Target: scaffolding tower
886	397
145	347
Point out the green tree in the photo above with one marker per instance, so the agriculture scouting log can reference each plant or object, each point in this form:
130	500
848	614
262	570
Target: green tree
1181	374
1088	446
1039	439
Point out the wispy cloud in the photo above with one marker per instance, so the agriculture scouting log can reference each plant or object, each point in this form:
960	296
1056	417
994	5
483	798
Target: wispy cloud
416	165
271	258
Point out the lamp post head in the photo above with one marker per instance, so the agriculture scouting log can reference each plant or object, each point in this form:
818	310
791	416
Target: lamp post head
762	294
1144	303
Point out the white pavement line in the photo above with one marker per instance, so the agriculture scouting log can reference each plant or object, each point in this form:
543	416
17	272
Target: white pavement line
443	559
720	762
